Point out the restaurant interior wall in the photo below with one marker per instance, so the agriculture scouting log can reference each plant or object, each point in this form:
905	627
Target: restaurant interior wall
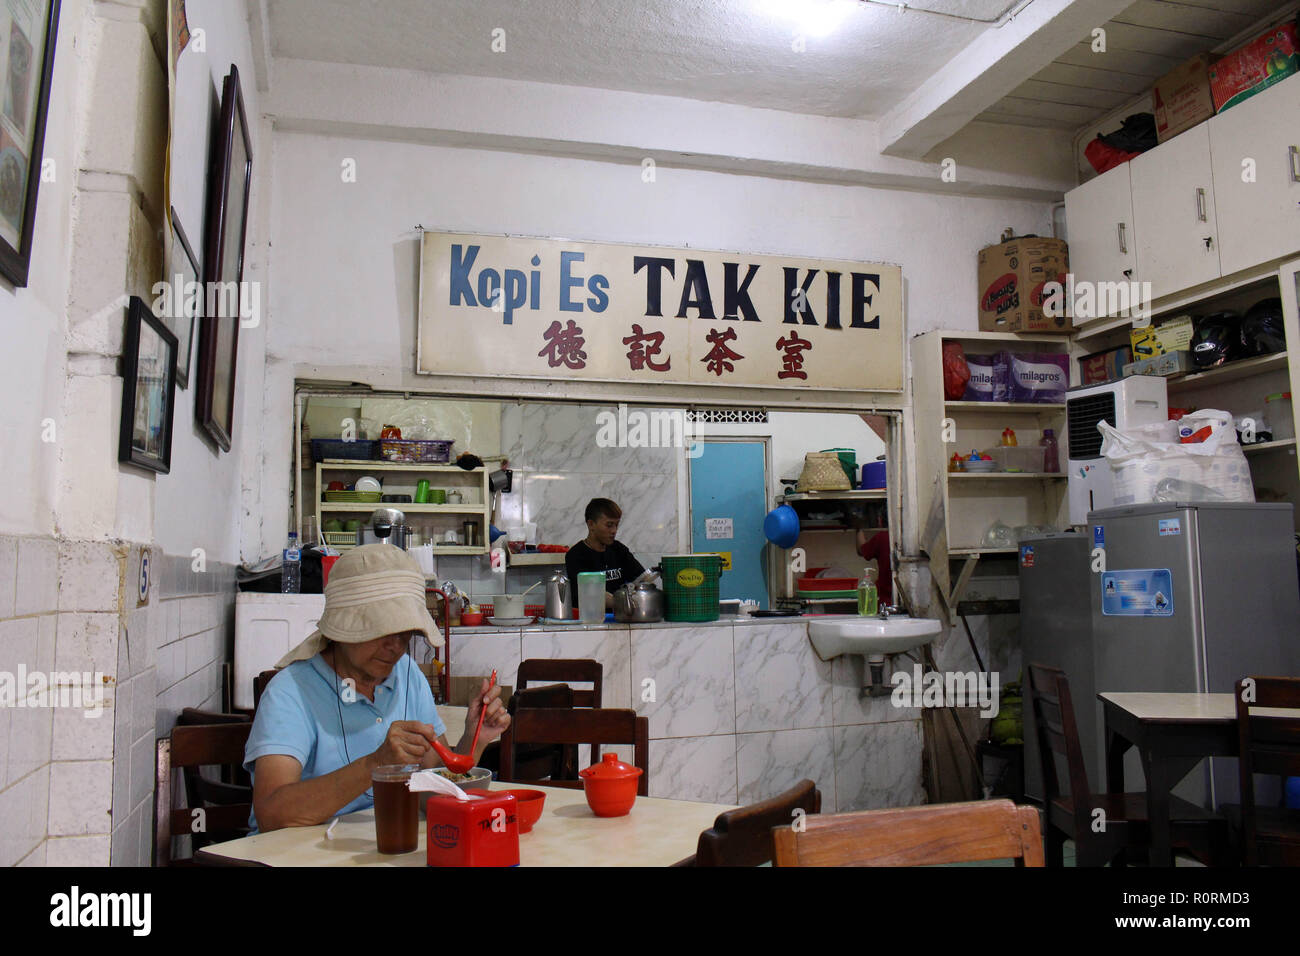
346	292
77	790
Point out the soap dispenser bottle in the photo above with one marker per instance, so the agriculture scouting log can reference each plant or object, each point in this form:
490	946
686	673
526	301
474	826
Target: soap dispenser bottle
868	599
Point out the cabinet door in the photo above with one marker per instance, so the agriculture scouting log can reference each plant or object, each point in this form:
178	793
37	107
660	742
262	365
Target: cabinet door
1099	225
1255	148
1173	206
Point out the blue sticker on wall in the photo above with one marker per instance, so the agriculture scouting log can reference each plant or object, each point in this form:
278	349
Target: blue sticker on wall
1147	592
1098	536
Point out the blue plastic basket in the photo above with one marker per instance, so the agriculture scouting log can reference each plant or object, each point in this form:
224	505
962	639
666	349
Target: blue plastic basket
335	448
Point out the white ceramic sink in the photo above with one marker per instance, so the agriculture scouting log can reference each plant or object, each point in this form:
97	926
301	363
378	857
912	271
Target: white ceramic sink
838	634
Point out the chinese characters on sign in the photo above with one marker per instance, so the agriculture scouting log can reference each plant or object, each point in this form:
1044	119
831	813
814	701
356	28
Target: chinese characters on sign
529	308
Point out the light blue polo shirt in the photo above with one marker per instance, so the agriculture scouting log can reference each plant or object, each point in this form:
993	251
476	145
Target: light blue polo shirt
303	714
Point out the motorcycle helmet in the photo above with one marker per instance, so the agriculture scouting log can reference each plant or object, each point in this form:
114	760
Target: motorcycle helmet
1217	340
1261	328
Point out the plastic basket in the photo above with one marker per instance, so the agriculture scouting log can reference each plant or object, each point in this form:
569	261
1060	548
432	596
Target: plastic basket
340	539
355	497
691	586
337	449
435	451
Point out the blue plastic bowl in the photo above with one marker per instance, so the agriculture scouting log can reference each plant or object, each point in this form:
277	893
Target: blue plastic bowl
782	526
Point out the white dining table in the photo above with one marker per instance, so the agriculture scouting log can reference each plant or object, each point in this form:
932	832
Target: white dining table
657	832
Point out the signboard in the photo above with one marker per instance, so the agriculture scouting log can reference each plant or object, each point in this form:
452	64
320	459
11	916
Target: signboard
718	528
548	308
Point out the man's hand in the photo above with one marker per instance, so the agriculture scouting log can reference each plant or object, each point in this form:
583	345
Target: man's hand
495	719
407	742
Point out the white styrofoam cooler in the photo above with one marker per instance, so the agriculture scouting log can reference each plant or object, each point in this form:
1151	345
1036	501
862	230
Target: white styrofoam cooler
268	626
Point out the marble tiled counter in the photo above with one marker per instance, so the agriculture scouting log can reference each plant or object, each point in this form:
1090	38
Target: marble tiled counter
739	710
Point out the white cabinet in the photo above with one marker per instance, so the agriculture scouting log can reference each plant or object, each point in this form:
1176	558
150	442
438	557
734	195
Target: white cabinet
1102	240
1173	205
1255	150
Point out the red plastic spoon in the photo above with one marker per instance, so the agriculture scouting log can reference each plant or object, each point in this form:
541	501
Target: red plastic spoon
463	763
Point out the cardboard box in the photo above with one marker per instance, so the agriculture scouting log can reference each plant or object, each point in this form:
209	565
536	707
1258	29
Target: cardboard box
1182	99
1011	279
1173	336
1266	60
1105	366
1171	363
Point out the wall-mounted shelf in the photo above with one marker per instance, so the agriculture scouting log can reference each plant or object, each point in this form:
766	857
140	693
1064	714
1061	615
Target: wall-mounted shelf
1278	445
1012	408
1004	475
1231	372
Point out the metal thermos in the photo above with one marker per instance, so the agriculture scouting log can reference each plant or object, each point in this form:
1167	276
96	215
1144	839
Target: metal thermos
471	532
559	596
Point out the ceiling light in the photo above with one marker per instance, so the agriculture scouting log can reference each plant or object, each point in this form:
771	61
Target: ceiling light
815	18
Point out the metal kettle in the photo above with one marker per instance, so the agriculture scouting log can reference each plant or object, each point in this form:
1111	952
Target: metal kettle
559	596
639	603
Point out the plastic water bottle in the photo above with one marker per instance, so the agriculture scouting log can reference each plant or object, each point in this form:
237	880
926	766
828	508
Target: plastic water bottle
291	570
1051	452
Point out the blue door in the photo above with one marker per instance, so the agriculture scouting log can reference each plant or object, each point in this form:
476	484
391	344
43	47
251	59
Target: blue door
728	504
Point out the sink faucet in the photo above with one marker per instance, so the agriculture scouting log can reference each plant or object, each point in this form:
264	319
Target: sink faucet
888	609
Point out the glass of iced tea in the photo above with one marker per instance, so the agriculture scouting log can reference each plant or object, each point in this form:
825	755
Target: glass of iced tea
397	809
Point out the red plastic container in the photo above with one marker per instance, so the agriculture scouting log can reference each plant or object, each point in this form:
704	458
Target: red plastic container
610	786
481	831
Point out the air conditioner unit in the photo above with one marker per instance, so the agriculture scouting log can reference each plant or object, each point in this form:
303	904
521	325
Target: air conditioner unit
1136	400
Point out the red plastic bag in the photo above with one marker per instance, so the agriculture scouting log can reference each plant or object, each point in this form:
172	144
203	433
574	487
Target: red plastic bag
956	373
1103	157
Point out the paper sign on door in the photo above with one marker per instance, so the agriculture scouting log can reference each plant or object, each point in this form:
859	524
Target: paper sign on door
718	528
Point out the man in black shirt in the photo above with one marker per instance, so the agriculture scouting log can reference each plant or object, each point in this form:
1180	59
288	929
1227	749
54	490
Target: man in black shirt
600	552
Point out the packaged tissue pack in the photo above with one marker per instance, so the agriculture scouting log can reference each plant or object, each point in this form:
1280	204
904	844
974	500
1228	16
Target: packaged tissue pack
1041	377
988	378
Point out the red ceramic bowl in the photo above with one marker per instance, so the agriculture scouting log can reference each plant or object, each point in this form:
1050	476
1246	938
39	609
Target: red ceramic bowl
529	804
470	620
610	786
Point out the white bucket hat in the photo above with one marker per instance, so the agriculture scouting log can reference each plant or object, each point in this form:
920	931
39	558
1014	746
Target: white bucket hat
374	590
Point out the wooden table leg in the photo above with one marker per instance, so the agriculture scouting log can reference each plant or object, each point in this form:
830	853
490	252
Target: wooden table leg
1116	747
1160	781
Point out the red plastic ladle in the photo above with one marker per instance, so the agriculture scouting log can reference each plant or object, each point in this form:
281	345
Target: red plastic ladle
463	763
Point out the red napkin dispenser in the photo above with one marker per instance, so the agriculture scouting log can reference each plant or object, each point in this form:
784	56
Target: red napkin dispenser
480	831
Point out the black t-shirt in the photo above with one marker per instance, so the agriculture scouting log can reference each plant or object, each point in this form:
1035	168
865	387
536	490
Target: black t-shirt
616	561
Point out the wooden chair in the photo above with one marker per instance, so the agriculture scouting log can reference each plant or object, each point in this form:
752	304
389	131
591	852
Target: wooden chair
743	837
259	685
1269	836
235	786
569	670
914	836
538	761
576	726
1071	814
197	746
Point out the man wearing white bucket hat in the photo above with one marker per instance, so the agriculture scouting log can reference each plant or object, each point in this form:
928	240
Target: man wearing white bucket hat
350	699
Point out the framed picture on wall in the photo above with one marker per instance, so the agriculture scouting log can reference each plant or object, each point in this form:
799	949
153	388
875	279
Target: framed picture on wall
148	390
186	299
230	172
28	32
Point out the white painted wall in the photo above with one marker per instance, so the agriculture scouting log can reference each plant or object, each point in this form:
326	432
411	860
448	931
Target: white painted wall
198	504
345	253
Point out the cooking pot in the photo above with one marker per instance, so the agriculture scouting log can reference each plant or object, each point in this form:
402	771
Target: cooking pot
639	603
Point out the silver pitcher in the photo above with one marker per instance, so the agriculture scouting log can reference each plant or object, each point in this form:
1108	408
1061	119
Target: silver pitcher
559	596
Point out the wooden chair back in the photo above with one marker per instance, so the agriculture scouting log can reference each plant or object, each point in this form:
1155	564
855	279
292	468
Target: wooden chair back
235	786
576	726
1268	745
567	670
1049	692
915	836
538	761
743	837
197	746
259	685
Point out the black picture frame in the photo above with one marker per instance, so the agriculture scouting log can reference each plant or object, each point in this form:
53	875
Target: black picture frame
148	390
20	175
186	311
230	174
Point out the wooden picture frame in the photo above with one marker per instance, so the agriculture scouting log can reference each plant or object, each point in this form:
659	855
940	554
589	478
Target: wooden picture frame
24	108
230	173
148	390
186	310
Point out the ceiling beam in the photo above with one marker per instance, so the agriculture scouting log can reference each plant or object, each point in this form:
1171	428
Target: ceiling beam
999	60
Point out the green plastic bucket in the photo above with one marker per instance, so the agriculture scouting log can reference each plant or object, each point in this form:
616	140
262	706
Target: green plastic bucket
691	586
848	461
